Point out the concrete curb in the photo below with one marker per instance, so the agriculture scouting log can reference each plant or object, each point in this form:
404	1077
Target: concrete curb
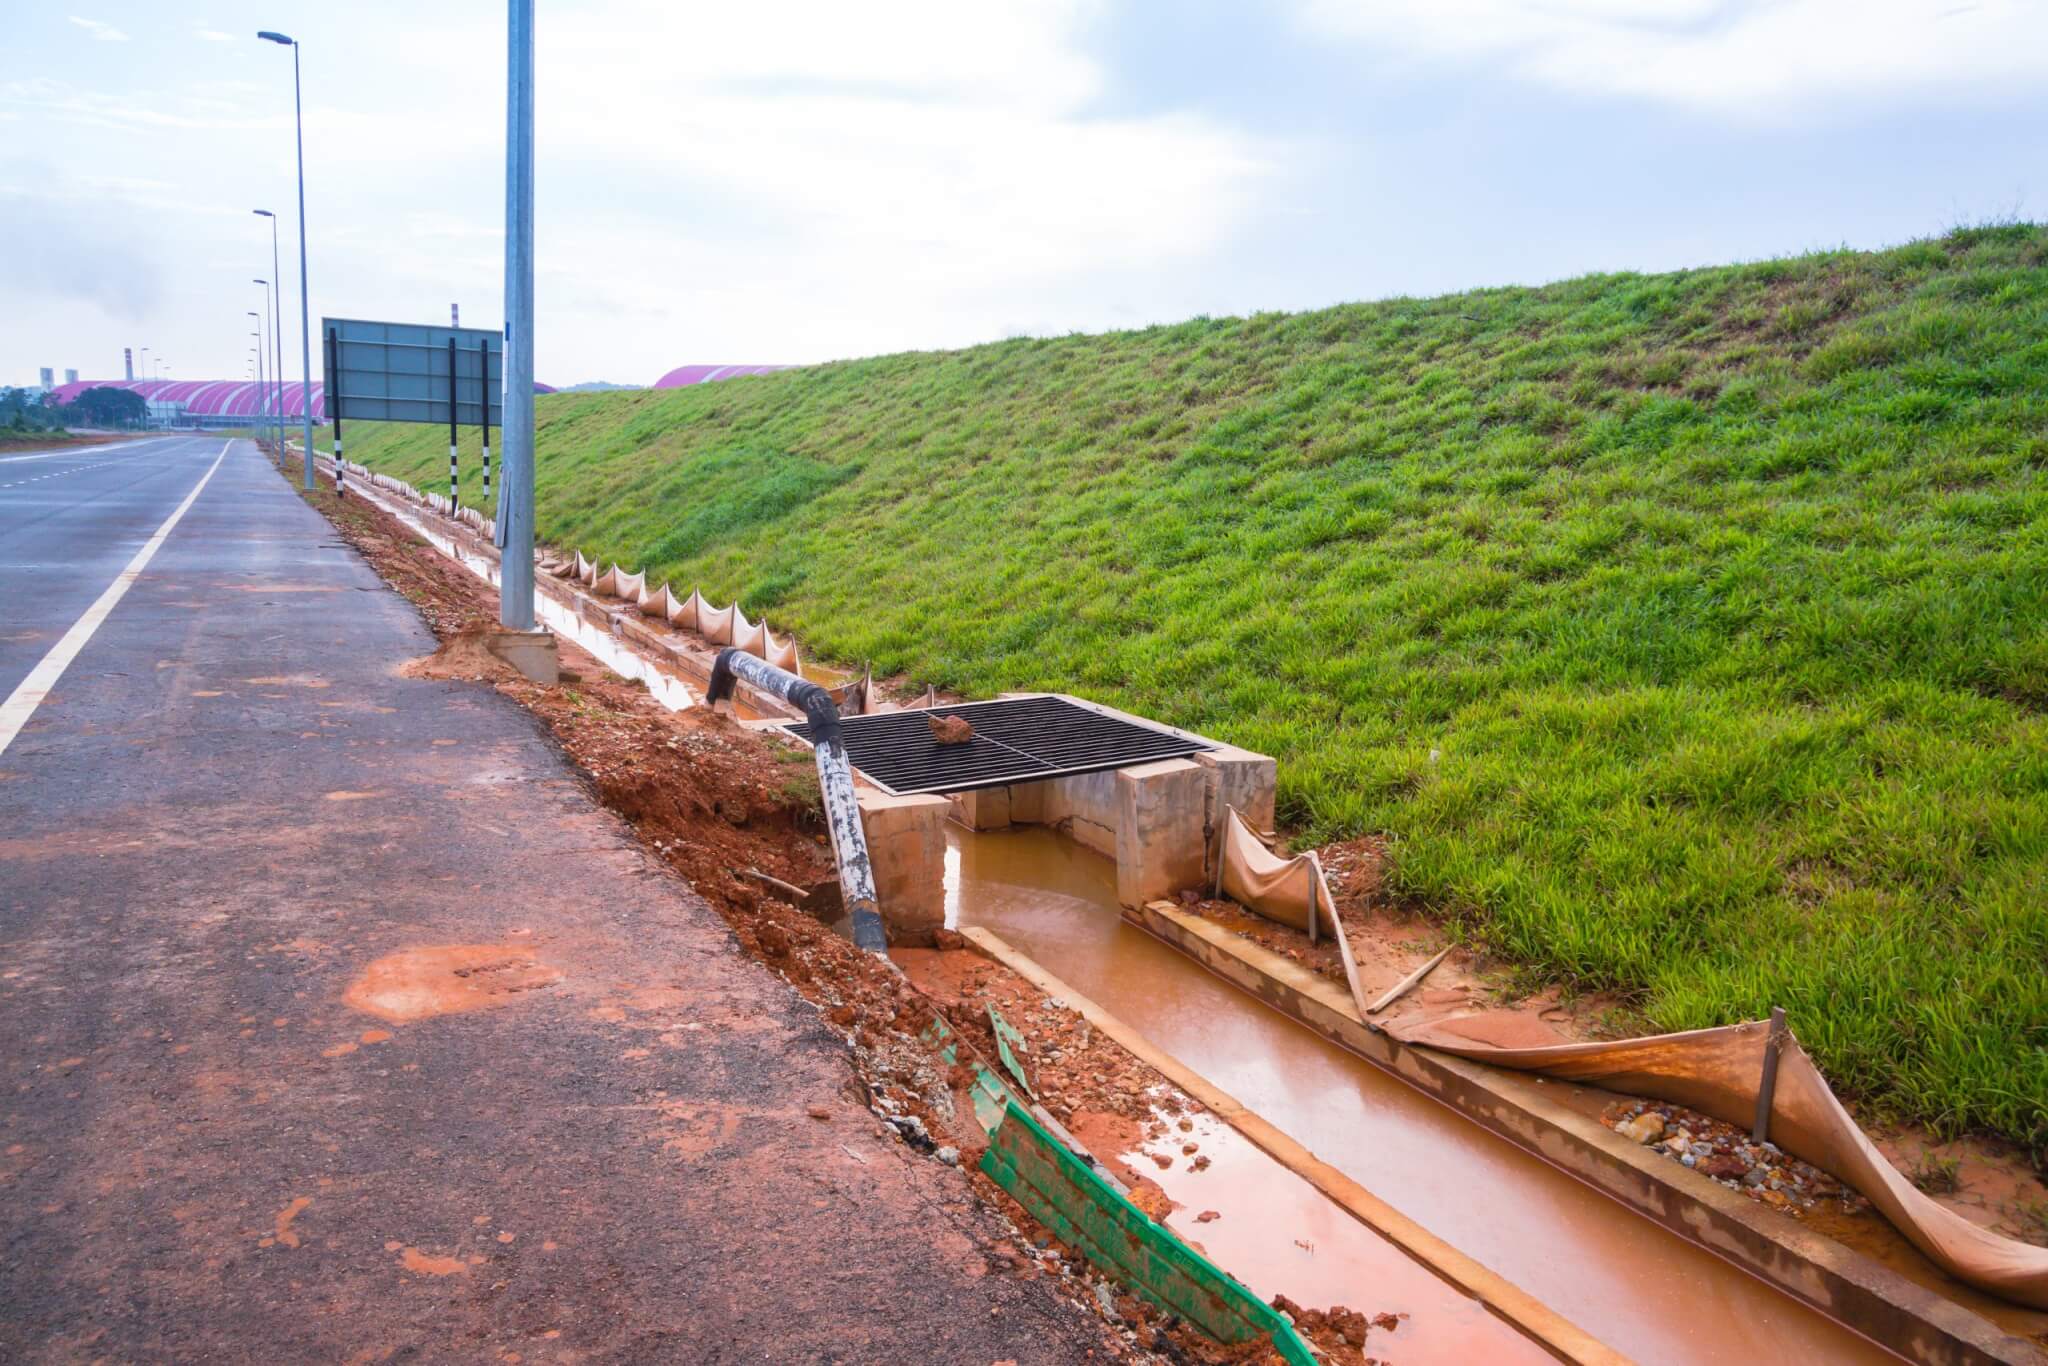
1508	1302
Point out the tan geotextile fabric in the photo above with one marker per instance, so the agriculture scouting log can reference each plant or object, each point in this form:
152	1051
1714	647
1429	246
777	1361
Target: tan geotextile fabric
1714	1071
660	603
1717	1072
749	636
1279	889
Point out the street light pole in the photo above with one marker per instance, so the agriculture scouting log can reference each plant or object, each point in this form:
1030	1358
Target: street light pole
515	564
276	332
269	423
305	321
262	345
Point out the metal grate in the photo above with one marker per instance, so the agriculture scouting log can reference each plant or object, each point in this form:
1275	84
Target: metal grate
1016	739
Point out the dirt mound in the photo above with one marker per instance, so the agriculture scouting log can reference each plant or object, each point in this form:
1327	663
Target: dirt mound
462	655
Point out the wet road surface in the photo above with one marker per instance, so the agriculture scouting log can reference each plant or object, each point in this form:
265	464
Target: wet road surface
338	1022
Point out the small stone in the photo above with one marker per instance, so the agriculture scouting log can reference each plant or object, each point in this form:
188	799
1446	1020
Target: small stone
819	1112
1689	1160
1646	1128
950	730
1207	1216
1722	1167
948	1155
1755	1176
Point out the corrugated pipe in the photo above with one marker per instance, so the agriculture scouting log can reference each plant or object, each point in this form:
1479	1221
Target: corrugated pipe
835	781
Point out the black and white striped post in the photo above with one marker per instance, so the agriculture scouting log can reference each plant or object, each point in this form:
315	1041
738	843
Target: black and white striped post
454	469
835	782
483	360
334	410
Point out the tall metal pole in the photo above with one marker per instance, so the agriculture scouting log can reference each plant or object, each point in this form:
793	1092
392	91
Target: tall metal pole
305	313
277	338
269	371
515	565
262	358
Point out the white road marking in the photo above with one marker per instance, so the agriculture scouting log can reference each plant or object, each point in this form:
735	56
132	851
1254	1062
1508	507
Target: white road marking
87	450
23	701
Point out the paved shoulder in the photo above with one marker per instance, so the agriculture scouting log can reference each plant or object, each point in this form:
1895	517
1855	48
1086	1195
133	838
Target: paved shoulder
339	1022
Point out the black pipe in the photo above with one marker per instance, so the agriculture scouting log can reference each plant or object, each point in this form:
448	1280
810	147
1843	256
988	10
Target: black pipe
835	781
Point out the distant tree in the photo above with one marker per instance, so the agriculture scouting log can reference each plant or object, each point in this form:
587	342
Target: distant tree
102	406
23	410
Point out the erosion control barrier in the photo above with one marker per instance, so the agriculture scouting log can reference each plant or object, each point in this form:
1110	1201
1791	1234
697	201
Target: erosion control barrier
1083	1211
835	781
1719	1072
720	625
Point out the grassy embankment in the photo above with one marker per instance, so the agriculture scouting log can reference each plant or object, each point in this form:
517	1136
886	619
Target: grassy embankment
1686	634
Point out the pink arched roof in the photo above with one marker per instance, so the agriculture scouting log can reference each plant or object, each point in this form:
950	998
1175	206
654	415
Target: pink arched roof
207	397
217	397
684	375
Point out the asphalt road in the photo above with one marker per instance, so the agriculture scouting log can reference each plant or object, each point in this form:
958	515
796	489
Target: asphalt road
70	518
337	1021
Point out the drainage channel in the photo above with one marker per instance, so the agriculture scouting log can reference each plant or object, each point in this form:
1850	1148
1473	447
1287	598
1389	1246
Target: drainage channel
1633	1285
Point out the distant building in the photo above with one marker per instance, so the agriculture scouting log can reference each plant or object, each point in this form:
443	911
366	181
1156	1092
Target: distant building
685	375
71	377
49	379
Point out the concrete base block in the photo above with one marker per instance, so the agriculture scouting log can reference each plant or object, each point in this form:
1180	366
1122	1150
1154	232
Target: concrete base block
1239	778
1159	830
985	809
530	652
907	849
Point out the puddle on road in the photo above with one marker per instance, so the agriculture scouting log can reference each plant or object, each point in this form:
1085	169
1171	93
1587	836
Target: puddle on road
1631	1284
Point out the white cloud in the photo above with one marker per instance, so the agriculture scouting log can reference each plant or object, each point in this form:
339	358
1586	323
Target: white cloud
1758	59
920	179
213	35
101	31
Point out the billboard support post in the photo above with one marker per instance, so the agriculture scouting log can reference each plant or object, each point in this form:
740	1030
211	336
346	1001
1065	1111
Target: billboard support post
483	361
334	412
454	470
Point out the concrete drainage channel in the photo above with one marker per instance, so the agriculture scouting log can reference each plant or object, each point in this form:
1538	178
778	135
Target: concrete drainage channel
1490	1180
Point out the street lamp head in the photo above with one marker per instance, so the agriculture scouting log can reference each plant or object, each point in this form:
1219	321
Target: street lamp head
268	36
263	213
254	281
254	314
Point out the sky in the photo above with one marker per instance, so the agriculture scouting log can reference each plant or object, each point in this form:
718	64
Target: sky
809	181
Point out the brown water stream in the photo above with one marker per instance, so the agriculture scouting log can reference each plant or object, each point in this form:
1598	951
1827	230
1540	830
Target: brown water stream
1635	1286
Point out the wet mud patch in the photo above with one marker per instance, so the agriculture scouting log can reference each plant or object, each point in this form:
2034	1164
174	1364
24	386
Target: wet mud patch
449	979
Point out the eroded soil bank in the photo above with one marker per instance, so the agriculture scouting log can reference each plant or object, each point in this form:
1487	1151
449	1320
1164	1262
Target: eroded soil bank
721	804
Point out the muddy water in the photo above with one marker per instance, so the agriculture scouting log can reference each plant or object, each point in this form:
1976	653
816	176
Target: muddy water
1630	1283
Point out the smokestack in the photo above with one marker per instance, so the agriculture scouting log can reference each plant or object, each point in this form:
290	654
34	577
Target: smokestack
128	362
71	377
455	315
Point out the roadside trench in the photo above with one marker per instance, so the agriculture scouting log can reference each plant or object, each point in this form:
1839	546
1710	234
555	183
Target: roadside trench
718	802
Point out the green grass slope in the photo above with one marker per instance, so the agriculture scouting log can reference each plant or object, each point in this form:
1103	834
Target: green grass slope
1685	634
